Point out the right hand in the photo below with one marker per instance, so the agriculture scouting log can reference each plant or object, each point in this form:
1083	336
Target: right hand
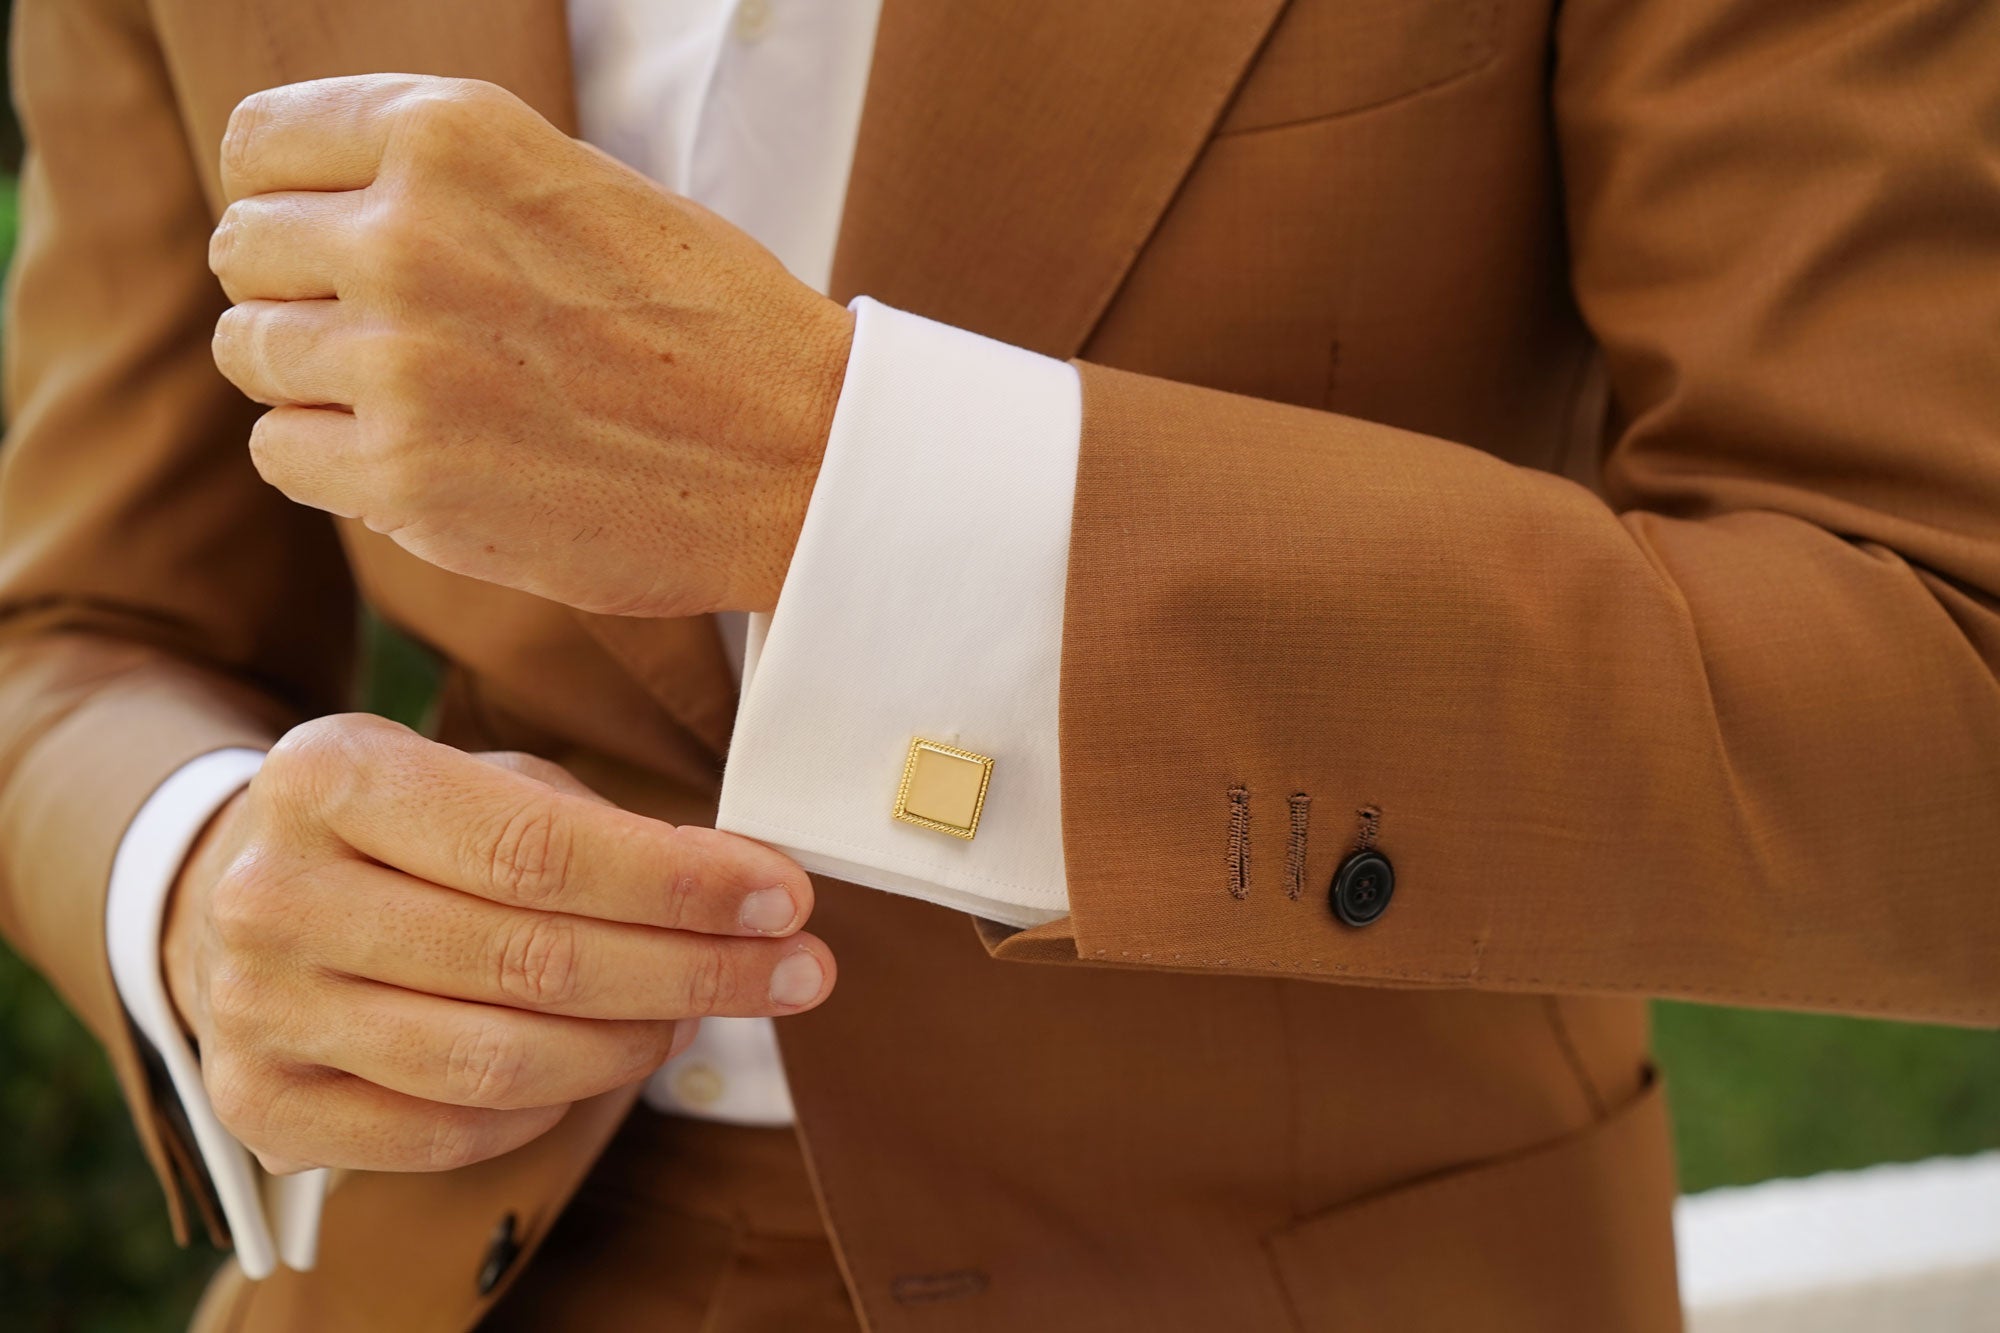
396	956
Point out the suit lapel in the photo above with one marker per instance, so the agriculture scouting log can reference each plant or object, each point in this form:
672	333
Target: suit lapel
1014	157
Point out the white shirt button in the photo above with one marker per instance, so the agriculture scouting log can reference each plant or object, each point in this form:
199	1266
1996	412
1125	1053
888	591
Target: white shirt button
698	1085
753	20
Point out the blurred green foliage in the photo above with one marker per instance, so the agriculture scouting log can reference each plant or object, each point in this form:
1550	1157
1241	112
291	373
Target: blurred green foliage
1758	1094
84	1243
83	1235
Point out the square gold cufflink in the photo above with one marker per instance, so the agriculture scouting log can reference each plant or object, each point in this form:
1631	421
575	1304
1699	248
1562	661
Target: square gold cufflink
943	788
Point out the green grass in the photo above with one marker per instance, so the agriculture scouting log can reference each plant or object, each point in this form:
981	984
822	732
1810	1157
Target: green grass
1758	1094
83	1235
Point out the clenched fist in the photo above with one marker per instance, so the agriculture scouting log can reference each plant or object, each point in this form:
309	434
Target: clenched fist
521	360
396	956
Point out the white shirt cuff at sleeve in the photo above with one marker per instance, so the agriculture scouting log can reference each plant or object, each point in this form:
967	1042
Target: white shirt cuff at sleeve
142	874
925	599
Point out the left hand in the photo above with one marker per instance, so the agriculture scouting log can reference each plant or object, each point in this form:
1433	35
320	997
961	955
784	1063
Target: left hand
518	358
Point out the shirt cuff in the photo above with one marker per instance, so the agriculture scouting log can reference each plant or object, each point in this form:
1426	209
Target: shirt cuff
148	860
925	599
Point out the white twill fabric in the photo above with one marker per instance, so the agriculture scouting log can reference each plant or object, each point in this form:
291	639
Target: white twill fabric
925	599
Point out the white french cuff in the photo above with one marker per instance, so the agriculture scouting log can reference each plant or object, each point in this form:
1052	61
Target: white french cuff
924	601
142	875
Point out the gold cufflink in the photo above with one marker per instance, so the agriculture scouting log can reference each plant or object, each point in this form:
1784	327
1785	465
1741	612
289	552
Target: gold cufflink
943	788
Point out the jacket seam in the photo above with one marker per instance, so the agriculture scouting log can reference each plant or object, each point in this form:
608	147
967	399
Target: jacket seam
1982	1013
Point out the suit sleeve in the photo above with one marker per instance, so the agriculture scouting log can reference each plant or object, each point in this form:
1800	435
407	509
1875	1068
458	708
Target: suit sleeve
157	601
1731	730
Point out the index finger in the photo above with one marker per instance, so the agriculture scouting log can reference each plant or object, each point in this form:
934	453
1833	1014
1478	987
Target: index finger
326	134
441	815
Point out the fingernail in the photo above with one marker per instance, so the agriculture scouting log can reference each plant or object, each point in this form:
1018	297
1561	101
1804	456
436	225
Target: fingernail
768	911
797	980
684	1033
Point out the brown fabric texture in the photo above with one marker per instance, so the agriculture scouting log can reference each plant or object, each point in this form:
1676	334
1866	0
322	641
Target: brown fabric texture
1567	434
684	1226
1730	731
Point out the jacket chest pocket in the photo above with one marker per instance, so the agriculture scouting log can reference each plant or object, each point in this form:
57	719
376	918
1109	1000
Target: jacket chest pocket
1331	57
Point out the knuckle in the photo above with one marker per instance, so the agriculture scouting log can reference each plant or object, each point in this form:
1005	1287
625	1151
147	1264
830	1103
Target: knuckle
474	99
229	344
239	1098
383	353
538	962
239	139
250	344
265	454
514	761
408	475
242	910
545	771
382	444
683	889
644	1046
705	980
438	115
483	93
399	420
651	1050
452	1140
454	127
232	999
528	858
317	760
401	250
222	242
241	1007
684	885
485	1066
311	745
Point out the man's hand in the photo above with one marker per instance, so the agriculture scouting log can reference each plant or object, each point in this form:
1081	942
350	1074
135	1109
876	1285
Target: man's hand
520	359
396	956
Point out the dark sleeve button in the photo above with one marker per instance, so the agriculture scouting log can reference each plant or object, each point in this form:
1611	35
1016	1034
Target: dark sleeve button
501	1251
1362	888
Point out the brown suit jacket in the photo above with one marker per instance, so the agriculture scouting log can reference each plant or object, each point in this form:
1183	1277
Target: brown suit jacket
1568	434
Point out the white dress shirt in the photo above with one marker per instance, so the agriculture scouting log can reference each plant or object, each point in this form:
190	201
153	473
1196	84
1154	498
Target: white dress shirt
925	598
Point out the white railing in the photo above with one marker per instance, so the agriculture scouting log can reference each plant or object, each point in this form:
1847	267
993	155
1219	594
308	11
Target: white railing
1890	1249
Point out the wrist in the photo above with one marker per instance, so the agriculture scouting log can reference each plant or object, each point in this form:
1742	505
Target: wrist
822	373
187	904
833	343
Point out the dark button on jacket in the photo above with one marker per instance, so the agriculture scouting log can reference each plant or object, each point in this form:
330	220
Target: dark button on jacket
1362	888
501	1252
